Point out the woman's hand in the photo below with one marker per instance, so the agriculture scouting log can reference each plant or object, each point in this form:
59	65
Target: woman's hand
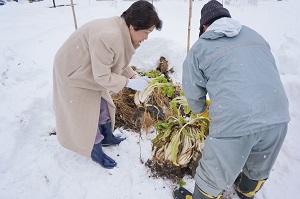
138	84
143	77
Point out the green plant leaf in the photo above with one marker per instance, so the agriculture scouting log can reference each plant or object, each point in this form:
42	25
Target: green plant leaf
181	183
186	110
170	91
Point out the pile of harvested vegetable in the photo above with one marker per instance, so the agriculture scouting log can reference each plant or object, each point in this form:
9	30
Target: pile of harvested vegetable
180	133
141	110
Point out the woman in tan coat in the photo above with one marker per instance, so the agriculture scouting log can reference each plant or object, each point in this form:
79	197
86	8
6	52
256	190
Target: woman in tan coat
92	62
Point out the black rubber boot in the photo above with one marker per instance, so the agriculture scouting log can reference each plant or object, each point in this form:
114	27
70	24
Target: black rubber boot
182	193
101	158
247	188
199	194
109	138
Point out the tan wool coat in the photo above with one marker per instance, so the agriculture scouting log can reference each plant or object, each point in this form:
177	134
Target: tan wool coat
92	62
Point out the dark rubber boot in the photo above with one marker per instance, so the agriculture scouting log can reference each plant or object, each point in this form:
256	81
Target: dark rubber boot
182	193
101	158
199	194
109	138
247	188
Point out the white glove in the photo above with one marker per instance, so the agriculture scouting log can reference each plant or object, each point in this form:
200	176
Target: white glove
138	84
143	77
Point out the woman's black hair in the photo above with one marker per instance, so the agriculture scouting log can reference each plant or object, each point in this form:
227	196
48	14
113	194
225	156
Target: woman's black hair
142	15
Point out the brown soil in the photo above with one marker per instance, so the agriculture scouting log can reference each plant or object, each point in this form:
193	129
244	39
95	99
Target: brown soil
128	115
163	67
168	170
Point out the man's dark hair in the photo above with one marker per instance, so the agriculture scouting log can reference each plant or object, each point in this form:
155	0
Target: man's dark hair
142	15
209	23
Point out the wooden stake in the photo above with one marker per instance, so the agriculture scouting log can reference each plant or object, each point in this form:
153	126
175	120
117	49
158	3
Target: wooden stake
189	26
74	17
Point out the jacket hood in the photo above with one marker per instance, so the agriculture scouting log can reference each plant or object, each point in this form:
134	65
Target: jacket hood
222	27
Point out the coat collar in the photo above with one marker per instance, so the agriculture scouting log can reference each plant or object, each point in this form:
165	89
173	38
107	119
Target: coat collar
126	35
222	27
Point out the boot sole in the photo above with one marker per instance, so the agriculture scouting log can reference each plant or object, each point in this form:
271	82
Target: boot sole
106	145
104	166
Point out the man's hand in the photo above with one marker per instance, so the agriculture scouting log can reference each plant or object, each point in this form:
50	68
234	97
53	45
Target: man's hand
205	113
207	102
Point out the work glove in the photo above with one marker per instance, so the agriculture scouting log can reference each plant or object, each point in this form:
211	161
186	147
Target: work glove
143	77
138	84
205	113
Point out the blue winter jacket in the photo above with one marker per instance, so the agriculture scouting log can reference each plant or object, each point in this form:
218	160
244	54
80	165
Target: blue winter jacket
233	64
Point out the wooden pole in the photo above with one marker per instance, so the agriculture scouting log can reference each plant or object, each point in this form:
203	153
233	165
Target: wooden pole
189	25
74	17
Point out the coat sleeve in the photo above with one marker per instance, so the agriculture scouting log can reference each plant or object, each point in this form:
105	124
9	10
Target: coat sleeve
102	58
128	72
194	83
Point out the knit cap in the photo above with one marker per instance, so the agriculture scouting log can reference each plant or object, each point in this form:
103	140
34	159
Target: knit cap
212	10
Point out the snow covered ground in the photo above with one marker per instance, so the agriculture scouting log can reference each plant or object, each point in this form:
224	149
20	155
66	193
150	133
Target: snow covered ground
33	164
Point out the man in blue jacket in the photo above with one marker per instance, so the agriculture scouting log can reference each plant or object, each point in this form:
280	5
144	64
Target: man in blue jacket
234	66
